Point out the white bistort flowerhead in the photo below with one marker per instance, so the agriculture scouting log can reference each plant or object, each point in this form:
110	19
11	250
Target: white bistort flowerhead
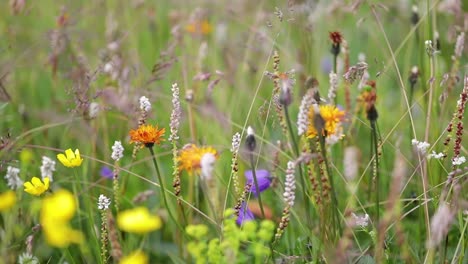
47	168
145	104
207	165
458	160
13	180
236	139
103	202
117	151
421	146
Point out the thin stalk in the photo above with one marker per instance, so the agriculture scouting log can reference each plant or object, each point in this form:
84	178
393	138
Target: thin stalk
252	164
336	219
424	177
335	66
163	190
296	150
376	168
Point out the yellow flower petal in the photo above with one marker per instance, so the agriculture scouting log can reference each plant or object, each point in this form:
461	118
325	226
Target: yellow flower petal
138	220
63	160
70	159
7	200
56	212
36	182
59	207
136	257
70	155
36	187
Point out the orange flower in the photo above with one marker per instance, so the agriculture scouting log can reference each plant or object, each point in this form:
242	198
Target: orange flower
199	27
147	135
190	157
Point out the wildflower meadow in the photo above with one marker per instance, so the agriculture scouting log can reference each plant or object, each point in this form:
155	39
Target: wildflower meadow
298	131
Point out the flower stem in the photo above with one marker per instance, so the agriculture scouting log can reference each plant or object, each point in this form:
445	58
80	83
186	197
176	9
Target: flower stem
163	190
252	164
336	209
374	142
296	150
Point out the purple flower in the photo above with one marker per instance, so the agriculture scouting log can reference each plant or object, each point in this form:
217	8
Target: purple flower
244	214
106	172
263	178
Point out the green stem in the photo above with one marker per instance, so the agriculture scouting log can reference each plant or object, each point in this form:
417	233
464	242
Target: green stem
336	219
252	164
296	150
163	190
335	66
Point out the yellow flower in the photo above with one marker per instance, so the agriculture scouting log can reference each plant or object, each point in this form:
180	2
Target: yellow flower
7	200
332	116
136	257
70	159
138	220
61	234
59	207
190	156
56	212
147	135
36	187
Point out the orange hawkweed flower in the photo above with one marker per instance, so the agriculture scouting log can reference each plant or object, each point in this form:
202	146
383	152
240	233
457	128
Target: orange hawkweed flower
190	156
199	27
147	135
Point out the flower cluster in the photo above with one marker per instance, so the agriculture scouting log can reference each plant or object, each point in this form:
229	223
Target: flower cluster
421	146
47	168
302	118
176	112
12	178
289	185
56	212
458	160
117	151
145	104
103	202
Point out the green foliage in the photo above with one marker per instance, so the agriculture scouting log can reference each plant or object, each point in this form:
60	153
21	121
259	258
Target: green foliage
238	244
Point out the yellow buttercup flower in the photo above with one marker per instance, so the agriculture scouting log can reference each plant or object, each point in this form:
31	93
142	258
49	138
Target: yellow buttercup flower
70	159
190	157
7	200
36	186
136	257
138	220
61	234
332	116
59	207
56	212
